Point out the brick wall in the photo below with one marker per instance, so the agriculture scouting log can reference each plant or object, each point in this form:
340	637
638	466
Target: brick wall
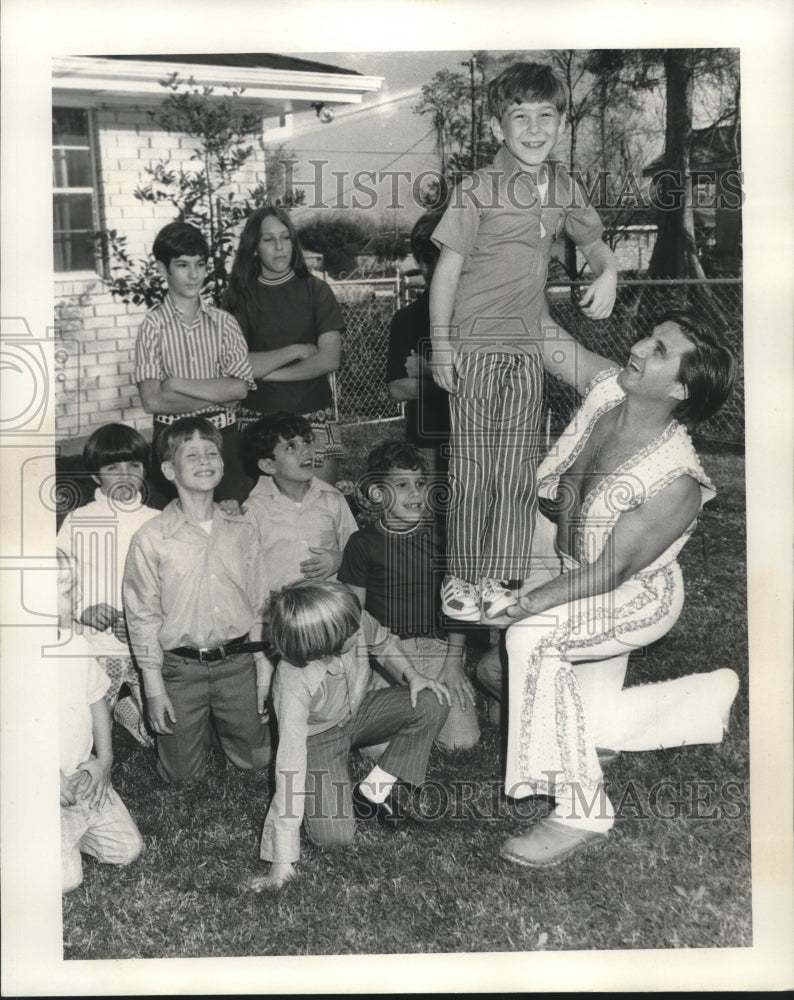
94	383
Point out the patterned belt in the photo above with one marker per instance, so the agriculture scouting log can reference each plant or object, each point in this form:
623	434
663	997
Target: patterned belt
218	418
211	654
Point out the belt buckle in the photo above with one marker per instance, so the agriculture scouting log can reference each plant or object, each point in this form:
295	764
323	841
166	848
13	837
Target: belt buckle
205	654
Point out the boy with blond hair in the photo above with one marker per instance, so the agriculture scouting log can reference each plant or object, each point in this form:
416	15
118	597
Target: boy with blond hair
194	587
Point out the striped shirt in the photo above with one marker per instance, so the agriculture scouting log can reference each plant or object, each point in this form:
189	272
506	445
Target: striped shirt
212	346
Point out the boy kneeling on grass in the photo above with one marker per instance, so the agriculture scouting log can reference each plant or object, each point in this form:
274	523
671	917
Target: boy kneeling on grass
194	585
94	820
325	708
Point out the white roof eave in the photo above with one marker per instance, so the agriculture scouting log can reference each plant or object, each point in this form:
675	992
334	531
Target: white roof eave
96	78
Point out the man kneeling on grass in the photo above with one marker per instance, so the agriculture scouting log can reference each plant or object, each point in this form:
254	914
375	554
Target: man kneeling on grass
324	709
619	495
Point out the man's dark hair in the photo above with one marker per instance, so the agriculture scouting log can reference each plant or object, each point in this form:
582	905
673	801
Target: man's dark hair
708	371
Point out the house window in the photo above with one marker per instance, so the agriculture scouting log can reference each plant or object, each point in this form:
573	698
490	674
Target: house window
74	203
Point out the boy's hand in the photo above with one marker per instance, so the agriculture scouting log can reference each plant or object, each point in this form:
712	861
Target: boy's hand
100	616
262	691
70	787
418	682
98	788
120	629
324	563
231	507
443	364
161	713
264	678
599	297
454	677
414	365
280	873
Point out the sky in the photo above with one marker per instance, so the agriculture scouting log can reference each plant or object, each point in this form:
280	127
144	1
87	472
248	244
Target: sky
383	133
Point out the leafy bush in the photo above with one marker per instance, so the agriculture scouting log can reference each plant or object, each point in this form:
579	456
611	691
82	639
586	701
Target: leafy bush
203	196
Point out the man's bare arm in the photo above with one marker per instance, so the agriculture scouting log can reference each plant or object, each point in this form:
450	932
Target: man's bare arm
639	537
565	358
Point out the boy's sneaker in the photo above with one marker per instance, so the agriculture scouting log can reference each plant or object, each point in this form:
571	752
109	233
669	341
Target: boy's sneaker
496	597
460	599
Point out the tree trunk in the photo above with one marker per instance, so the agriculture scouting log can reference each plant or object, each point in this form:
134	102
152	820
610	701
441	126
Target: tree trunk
674	253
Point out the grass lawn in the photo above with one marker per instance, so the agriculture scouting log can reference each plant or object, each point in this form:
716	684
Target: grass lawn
674	873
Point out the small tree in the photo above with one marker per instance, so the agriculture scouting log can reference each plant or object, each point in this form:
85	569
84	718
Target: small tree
446	102
339	238
203	196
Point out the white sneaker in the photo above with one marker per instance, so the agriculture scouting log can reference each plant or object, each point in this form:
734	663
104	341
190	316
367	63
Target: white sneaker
496	597
460	599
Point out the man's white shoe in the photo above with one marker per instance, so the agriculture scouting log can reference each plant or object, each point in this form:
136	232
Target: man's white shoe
496	597
460	599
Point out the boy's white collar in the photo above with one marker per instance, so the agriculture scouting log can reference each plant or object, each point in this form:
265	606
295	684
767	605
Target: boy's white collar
124	505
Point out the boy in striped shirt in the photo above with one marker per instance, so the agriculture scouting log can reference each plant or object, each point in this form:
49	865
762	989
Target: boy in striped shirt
191	359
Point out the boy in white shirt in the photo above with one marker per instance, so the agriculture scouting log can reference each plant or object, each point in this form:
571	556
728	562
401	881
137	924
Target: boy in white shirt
94	820
97	537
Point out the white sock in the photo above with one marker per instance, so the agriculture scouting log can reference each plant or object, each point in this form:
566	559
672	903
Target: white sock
377	784
592	812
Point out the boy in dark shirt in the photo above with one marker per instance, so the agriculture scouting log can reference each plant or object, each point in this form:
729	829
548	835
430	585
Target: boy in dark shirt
408	375
394	566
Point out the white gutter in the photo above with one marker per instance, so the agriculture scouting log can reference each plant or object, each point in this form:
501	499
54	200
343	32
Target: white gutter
140	81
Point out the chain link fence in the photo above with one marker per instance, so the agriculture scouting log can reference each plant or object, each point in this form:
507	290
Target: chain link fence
368	306
360	384
637	304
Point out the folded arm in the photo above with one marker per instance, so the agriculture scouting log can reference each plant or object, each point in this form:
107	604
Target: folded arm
179	395
324	361
402	389
266	362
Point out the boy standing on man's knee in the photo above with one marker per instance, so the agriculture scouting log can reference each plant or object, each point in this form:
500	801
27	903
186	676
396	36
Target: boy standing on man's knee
191	359
486	303
194	587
